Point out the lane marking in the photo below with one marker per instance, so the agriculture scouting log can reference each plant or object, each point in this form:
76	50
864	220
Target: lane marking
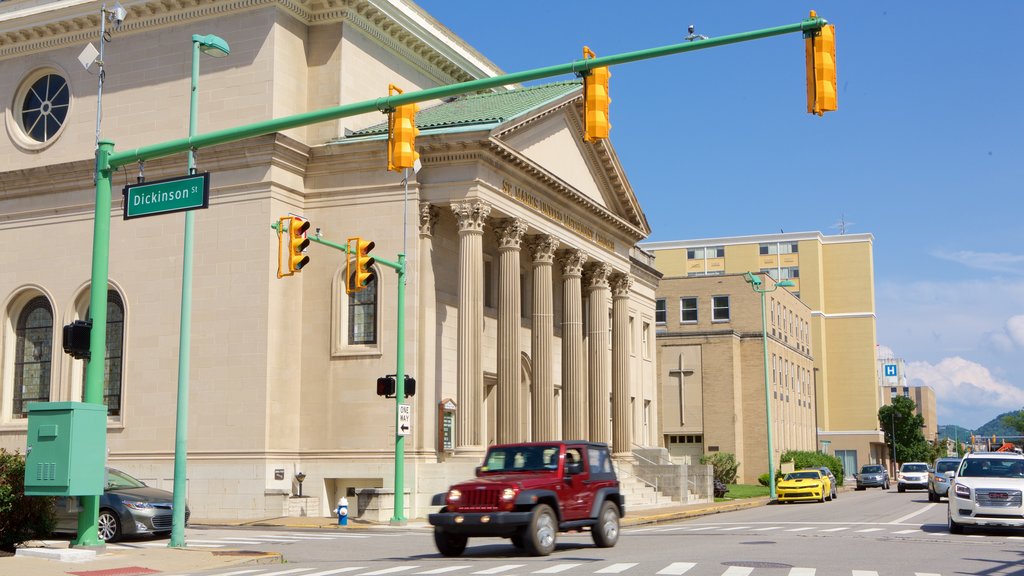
616	568
676	568
912	514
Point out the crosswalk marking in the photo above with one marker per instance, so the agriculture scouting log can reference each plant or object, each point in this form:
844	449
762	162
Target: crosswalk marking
335	571
556	568
905	531
840	529
499	569
390	570
616	568
767	528
443	569
801	529
863	573
676	568
926	574
737	571
801	571
734	528
283	572
239	572
871	530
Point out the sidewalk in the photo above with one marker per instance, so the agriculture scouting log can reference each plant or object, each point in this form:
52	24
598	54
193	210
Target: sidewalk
127	560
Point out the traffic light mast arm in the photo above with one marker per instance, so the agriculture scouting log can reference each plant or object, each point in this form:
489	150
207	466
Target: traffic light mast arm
343	248
117	159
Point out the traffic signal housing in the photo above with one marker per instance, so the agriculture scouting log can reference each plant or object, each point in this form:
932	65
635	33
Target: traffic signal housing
595	102
410	386
402	135
820	53
386	387
360	259
297	244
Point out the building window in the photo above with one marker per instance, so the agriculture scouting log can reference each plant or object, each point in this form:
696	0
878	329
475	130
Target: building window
688	310
42	106
705	252
778	248
720	309
114	354
362	315
660	311
784	273
33	352
645	339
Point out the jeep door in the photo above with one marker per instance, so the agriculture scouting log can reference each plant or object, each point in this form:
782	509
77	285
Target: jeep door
576	497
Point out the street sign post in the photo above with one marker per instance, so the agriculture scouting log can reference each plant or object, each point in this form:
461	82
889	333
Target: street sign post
167	196
404	419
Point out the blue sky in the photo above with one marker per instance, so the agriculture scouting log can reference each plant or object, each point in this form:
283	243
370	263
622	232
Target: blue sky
926	152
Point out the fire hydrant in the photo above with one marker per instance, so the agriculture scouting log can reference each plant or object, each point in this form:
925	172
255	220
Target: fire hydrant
342	511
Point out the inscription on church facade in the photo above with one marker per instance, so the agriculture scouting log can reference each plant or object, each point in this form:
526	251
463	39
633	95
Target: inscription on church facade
538	205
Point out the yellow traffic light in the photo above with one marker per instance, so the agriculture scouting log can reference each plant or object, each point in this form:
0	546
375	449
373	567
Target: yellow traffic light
362	262
820	52
297	243
402	135
595	102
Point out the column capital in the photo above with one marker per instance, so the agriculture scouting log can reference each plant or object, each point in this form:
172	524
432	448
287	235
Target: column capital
471	215
428	219
621	284
596	276
509	233
572	262
543	248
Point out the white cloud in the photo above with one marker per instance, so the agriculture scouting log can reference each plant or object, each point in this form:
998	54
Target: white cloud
967	392
1015	329
991	261
885	351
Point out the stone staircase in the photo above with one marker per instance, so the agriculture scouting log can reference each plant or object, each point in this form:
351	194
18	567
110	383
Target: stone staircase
650	478
639	495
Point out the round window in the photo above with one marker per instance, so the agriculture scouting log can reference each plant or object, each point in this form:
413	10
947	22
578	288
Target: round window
44	107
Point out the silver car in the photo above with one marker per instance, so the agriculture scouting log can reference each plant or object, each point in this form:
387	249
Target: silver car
128	507
938	480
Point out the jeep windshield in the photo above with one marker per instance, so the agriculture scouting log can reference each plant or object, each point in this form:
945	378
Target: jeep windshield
521	459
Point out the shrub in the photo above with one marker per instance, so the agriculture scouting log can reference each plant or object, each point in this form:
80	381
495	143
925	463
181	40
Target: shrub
763	478
21	517
725	466
802	459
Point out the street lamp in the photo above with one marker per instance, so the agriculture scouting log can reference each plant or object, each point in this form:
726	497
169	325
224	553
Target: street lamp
218	48
757	285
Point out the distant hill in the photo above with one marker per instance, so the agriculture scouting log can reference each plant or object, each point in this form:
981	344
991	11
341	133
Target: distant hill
994	426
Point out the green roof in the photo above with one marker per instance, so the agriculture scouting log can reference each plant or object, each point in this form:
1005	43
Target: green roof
482	109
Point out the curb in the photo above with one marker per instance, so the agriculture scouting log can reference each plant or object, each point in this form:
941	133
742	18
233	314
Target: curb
696	512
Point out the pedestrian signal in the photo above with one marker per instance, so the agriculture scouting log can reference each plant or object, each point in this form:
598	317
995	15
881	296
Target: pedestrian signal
386	387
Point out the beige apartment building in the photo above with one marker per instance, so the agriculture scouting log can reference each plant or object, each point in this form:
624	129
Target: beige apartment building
529	311
711	364
834	277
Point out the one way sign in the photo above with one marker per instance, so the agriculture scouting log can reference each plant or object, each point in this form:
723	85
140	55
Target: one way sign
404	419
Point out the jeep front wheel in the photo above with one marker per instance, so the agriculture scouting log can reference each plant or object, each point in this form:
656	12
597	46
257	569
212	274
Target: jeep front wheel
606	531
543	530
449	544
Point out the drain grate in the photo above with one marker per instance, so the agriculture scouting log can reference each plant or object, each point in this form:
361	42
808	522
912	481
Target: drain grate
757	564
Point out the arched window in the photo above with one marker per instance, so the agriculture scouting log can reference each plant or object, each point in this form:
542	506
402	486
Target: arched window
34	350
113	361
362	315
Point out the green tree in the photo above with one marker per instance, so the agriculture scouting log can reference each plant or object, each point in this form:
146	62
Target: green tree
902	427
1015	420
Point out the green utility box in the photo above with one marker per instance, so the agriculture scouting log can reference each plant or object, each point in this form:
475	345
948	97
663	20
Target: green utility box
67	449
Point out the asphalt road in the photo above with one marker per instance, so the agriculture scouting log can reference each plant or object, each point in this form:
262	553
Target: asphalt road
859	534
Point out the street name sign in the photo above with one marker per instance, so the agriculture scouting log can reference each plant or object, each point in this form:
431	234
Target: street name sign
404	419
167	196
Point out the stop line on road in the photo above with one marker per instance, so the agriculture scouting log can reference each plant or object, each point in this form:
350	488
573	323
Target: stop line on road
857	529
672	569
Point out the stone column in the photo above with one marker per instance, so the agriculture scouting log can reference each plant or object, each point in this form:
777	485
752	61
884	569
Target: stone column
471	216
542	405
426	341
574	379
509	234
599	390
622	424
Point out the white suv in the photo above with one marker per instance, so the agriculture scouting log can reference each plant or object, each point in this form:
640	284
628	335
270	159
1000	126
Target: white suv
987	491
913	475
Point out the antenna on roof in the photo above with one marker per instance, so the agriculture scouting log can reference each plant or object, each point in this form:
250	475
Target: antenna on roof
842	224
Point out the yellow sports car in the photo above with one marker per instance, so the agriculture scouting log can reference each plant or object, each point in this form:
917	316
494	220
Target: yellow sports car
804	485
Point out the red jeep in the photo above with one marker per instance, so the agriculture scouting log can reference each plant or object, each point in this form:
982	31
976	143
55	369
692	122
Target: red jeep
531	492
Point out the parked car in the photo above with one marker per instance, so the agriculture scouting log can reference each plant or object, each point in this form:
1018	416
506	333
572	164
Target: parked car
872	476
803	485
912	475
831	480
987	491
938	479
128	507
531	492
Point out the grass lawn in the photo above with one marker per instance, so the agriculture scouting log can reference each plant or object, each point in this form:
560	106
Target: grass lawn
738	491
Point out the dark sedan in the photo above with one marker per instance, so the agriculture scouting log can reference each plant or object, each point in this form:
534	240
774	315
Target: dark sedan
872	476
128	507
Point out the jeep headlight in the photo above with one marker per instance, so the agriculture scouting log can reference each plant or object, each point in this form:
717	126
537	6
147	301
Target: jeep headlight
454	495
962	491
508	494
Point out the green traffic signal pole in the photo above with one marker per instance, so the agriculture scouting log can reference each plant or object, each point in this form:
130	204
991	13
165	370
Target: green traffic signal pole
107	161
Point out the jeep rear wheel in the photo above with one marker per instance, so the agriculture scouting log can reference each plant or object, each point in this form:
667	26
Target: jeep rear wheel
449	544
543	531
606	531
